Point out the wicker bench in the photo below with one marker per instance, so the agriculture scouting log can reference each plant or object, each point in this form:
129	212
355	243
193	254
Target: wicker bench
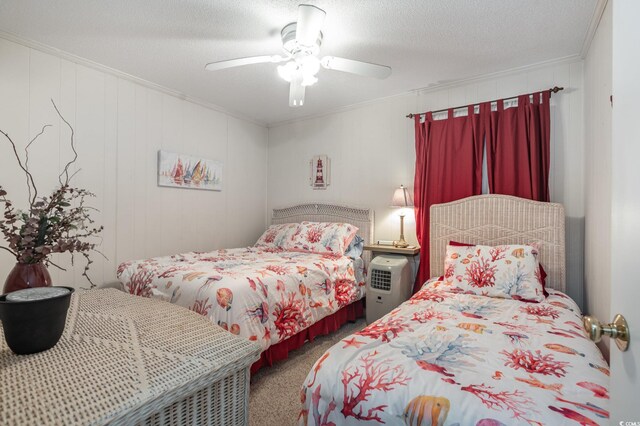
129	360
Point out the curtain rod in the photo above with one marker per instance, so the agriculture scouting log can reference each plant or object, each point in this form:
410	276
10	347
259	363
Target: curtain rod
555	89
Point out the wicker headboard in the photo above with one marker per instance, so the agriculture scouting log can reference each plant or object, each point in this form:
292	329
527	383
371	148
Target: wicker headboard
362	218
501	219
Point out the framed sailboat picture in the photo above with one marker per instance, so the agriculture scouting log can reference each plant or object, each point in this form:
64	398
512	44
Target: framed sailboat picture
186	171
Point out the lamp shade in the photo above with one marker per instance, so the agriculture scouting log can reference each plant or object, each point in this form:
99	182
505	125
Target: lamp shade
402	198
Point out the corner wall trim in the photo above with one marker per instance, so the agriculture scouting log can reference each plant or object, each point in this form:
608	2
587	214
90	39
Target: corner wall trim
593	27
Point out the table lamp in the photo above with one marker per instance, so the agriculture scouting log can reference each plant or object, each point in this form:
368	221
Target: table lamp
401	199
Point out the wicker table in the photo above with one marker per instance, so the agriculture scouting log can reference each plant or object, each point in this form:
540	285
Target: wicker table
129	360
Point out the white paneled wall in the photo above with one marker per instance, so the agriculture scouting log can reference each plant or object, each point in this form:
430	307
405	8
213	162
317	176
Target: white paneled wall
597	90
372	151
119	128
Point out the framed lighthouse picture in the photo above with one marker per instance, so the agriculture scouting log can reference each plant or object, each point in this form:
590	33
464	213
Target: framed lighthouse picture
186	171
320	172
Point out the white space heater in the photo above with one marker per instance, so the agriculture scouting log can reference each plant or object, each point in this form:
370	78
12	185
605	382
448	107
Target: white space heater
388	285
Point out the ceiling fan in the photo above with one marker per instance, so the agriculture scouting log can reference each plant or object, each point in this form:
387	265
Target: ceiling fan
301	41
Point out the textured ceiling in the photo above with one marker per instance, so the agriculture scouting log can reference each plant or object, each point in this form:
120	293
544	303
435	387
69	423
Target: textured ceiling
168	42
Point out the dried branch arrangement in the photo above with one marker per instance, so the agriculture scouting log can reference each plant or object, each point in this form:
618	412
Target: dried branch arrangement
58	223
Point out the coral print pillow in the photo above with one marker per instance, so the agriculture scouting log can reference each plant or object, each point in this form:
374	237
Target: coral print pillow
508	271
321	237
276	236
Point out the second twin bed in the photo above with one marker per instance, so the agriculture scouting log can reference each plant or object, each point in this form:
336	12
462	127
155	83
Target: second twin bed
469	348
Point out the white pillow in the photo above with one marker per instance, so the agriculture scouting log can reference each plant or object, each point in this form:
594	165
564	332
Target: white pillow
506	271
322	237
276	236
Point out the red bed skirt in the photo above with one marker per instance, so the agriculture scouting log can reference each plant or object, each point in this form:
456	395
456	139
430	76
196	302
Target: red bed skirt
327	325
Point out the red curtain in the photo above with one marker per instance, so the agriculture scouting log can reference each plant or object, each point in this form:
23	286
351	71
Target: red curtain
448	167
449	158
518	147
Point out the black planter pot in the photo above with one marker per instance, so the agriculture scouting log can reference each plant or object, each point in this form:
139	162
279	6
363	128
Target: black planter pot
32	326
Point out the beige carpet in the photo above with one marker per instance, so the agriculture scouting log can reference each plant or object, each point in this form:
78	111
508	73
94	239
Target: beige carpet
275	391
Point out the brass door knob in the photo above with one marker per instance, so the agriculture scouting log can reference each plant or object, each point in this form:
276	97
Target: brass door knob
618	330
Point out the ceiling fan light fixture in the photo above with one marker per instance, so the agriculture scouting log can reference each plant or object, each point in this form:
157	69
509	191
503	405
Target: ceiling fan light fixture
307	66
310	64
287	70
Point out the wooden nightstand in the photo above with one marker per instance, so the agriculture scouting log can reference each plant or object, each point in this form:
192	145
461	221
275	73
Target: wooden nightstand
377	249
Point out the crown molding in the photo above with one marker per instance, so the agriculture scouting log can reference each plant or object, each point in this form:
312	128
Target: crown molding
438	86
32	44
593	27
498	74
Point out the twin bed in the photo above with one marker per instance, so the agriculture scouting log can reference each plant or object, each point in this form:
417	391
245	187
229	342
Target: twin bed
443	357
452	358
278	298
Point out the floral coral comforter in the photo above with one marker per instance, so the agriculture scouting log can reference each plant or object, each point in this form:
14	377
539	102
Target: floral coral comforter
443	358
263	294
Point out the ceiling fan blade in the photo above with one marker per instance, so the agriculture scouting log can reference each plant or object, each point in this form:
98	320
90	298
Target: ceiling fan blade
309	24
296	91
220	65
356	67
